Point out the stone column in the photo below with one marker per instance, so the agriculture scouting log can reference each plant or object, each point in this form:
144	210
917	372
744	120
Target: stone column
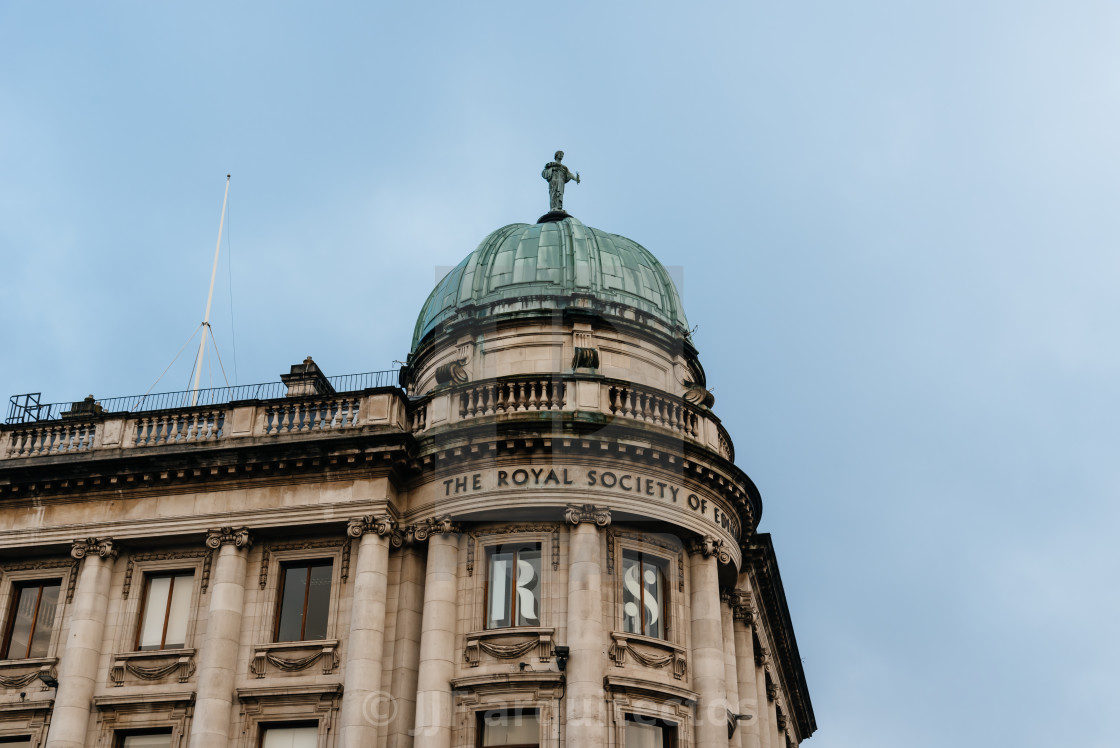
437	634
748	732
363	704
730	663
81	652
217	660
707	642
585	714
406	644
763	700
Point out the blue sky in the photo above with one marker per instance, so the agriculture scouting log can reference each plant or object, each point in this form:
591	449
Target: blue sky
896	222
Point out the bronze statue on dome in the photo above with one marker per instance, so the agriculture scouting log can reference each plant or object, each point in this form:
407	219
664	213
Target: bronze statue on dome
557	175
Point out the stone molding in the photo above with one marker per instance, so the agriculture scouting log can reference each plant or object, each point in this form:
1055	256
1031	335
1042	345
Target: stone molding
424	529
577	513
44	670
103	547
707	546
207	557
306	545
46	564
672	547
742	606
527	639
539	528
180	661
237	536
668	653
325	651
383	525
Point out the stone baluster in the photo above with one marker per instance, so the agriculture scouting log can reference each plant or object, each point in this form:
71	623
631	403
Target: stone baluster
362	701
707	642
748	731
81	654
437	634
730	662
217	660
585	715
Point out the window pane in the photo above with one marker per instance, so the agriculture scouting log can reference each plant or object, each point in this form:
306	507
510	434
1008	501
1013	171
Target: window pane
653	580
644	735
155	612
180	611
513	727
147	741
528	587
26	600
631	594
16	741
291	606
318	603
44	622
290	737
501	573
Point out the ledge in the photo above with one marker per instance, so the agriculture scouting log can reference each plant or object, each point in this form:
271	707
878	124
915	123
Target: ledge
265	692
177	660
525	678
531	638
167	697
649	688
321	650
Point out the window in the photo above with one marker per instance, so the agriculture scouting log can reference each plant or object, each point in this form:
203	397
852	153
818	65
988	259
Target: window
509	728
165	611
300	736
16	740
31	620
305	596
147	739
644	594
647	732
513	591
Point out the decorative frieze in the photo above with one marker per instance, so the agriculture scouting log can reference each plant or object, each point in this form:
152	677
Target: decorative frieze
161	664
42	669
324	652
505	644
663	653
577	513
103	547
237	536
707	546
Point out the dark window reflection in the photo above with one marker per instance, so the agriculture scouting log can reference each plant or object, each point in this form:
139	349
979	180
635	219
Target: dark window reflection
305	595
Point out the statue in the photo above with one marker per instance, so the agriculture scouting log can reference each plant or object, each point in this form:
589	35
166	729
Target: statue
557	175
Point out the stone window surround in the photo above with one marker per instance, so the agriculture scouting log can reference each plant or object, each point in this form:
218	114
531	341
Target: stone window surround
540	690
26	719
272	706
143	565
659	546
149	711
317	652
541	534
12	574
654	700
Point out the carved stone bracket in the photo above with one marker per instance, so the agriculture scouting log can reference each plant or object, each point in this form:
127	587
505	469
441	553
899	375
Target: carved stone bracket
163	664
45	672
325	652
421	531
707	546
505	644
103	547
237	536
383	525
577	513
664	654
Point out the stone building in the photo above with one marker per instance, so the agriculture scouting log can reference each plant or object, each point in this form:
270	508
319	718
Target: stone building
533	534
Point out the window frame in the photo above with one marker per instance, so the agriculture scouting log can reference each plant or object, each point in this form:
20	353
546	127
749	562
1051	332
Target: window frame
119	736
263	727
666	605
488	552
145	588
657	546
480	726
282	578
15	591
670	737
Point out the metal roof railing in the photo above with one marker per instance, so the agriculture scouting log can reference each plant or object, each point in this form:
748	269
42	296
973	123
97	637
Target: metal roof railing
28	409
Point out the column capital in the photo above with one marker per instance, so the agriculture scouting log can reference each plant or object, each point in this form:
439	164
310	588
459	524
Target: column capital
707	546
424	529
383	525
103	547
577	513
742	606
237	536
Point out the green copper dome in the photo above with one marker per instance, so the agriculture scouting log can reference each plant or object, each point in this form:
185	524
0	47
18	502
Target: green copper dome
556	265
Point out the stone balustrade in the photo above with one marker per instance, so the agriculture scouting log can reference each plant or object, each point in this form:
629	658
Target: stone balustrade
34	440
176	428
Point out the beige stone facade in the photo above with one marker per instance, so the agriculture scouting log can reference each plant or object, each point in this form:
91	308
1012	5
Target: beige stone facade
513	535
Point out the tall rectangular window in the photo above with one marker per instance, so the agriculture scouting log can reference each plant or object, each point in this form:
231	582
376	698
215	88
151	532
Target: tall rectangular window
647	732
31	619
513	586
644	594
301	736
305	597
509	728
165	611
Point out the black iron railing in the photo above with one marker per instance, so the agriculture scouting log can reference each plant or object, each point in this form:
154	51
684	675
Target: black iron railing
28	409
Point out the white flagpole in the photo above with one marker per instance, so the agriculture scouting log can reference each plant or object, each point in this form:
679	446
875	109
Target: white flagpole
209	299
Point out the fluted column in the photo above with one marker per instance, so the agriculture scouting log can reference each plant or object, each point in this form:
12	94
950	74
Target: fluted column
362	702
437	634
585	715
707	643
217	661
748	732
77	667
730	664
406	644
